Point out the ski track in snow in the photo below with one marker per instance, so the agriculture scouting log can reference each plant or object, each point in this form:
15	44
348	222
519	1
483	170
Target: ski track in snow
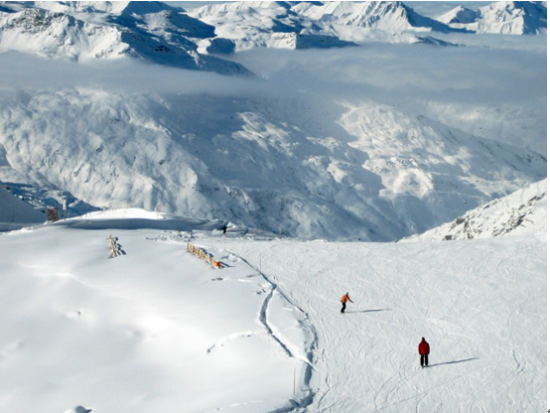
280	339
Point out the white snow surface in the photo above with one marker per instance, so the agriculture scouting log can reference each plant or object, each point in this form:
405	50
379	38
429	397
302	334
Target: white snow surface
159	329
141	333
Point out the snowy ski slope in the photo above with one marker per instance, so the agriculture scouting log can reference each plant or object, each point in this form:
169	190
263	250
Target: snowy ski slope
159	329
480	304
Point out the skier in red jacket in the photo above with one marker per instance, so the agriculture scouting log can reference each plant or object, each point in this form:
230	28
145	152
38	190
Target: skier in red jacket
424	350
344	300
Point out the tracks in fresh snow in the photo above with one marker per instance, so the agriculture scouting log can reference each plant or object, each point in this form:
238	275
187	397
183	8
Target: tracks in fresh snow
285	345
477	303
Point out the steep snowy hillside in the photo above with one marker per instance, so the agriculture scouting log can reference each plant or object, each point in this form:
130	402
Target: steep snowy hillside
151	31
502	17
290	165
372	142
523	212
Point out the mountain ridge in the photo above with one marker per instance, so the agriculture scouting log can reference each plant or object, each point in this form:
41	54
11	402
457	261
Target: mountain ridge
158	34
162	34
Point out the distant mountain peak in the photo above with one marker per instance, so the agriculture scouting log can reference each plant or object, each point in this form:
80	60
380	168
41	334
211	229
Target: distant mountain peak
393	16
502	17
460	14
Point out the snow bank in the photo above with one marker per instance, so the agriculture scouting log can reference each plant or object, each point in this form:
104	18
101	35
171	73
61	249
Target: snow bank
136	218
124	213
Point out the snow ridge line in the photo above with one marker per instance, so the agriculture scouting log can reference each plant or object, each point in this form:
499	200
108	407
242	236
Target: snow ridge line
307	400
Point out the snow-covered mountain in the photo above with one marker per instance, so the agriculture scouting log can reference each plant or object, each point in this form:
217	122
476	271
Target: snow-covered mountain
332	24
522	212
159	33
503	17
391	16
184	191
285	165
264	24
149	31
351	162
315	24
459	15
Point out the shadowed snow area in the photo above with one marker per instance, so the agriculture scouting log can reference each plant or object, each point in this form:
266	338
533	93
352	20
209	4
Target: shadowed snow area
134	218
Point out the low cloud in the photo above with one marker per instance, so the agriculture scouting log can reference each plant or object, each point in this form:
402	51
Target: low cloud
504	76
398	73
491	69
18	70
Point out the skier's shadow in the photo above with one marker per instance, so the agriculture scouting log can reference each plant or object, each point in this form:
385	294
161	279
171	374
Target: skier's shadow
368	311
454	362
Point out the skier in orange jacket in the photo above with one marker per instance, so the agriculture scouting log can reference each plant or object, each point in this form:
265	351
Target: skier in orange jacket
344	300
